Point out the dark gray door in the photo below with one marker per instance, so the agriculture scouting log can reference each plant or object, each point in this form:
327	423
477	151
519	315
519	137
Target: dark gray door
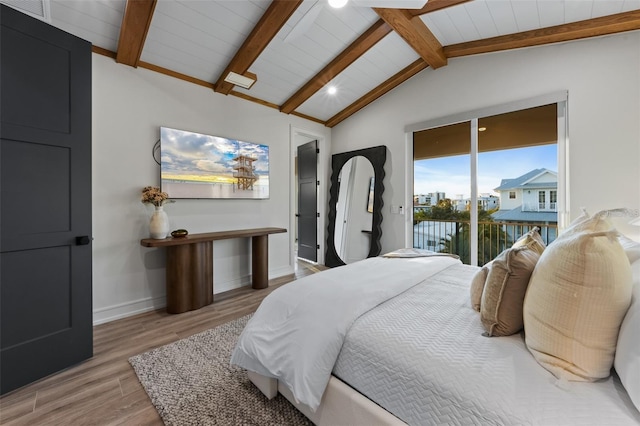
45	200
308	201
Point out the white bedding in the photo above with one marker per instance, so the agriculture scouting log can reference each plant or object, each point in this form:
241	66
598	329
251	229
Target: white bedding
402	332
298	330
422	356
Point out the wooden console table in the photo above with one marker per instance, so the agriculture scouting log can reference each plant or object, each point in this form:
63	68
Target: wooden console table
190	265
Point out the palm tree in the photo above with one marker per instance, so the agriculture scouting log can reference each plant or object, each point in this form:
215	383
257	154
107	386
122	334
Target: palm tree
492	239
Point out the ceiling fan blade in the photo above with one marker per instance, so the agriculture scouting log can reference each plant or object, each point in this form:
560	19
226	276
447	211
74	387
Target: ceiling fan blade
392	4
305	23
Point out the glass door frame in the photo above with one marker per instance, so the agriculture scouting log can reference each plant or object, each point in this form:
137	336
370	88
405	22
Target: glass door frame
559	98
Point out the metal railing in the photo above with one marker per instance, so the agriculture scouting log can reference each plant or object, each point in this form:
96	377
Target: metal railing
451	236
539	207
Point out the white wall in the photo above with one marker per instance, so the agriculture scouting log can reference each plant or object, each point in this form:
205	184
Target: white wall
129	106
602	78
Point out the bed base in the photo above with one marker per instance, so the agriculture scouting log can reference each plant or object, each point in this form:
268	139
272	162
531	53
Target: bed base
340	404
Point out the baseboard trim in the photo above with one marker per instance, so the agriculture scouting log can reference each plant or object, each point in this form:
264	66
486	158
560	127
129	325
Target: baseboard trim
281	272
140	306
127	309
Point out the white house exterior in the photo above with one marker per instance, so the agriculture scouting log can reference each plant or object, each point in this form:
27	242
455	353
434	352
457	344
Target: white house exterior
431	234
536	191
430	199
459	203
530	199
485	202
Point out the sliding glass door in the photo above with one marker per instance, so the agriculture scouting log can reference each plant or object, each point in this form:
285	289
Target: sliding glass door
479	184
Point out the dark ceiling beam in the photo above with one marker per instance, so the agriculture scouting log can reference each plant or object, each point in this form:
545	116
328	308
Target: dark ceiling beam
133	31
273	19
433	5
366	41
390	84
626	21
416	34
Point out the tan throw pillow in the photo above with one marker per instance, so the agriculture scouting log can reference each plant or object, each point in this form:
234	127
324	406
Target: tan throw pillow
577	297
533	240
477	285
503	295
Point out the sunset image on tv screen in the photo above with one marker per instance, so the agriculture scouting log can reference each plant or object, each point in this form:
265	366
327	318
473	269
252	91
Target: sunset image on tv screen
194	165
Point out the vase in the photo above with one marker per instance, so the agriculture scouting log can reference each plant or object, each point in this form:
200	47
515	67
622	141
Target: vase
159	224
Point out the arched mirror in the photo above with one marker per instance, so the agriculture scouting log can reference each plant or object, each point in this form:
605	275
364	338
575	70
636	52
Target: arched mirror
355	205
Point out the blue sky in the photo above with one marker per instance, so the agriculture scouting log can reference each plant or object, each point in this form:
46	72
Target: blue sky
451	174
184	152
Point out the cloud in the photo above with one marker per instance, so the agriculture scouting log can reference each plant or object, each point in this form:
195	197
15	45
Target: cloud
185	152
211	166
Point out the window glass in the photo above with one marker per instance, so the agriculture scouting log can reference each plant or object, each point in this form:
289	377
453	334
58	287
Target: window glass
517	152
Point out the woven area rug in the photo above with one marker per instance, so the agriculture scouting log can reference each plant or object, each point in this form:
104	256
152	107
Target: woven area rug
190	382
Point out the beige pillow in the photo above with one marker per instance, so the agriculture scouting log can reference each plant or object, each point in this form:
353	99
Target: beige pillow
504	290
533	240
577	297
477	285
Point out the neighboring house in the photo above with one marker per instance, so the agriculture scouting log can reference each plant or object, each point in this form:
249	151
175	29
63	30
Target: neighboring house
428	200
459	203
485	202
431	234
530	199
423	202
488	202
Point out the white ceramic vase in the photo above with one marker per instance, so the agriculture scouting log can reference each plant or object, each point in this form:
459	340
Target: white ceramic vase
159	224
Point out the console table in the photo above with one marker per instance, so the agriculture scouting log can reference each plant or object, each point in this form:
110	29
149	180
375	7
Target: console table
190	265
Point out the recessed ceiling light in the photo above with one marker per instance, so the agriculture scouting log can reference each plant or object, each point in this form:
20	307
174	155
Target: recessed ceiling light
482	129
337	3
332	90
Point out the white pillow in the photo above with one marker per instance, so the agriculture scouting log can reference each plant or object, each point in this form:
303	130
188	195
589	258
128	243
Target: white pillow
630	247
627	360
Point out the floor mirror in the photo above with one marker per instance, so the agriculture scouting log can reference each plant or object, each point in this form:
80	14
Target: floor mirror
355	205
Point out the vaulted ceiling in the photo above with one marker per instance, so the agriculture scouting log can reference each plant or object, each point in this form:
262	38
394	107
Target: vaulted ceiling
298	49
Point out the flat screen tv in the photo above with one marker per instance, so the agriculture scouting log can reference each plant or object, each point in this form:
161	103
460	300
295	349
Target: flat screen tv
193	165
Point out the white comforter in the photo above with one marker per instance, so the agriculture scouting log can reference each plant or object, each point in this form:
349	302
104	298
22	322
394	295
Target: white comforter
297	332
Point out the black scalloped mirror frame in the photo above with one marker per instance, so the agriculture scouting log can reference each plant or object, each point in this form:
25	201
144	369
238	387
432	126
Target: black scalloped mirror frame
377	156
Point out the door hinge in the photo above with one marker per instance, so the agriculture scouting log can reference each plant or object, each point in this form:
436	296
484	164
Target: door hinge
317	183
317	150
318	246
317	214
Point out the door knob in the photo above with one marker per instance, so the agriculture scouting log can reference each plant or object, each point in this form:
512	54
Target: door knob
83	240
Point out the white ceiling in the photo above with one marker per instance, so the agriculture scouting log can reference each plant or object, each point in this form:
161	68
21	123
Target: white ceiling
199	38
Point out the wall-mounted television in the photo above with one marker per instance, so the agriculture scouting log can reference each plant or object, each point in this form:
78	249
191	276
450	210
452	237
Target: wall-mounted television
193	165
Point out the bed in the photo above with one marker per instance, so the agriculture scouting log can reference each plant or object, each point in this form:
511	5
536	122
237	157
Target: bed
396	340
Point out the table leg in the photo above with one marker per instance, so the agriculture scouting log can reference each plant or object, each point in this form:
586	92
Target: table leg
189	276
260	261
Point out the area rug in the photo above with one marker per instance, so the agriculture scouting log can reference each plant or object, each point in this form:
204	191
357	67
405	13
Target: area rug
190	382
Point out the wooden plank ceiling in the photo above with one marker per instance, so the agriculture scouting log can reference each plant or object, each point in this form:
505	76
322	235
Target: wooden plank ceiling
138	15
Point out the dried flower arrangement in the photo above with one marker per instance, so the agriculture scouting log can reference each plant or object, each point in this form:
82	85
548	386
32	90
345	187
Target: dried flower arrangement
153	195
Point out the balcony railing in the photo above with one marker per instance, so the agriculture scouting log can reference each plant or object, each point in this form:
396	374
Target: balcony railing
450	236
539	207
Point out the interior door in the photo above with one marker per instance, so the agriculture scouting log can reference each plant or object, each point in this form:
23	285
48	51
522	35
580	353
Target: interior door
308	201
45	200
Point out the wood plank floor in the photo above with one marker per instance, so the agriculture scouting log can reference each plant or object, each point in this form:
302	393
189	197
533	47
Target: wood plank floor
104	390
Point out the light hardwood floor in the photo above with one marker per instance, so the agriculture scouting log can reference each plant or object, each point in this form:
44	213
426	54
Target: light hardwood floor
104	390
